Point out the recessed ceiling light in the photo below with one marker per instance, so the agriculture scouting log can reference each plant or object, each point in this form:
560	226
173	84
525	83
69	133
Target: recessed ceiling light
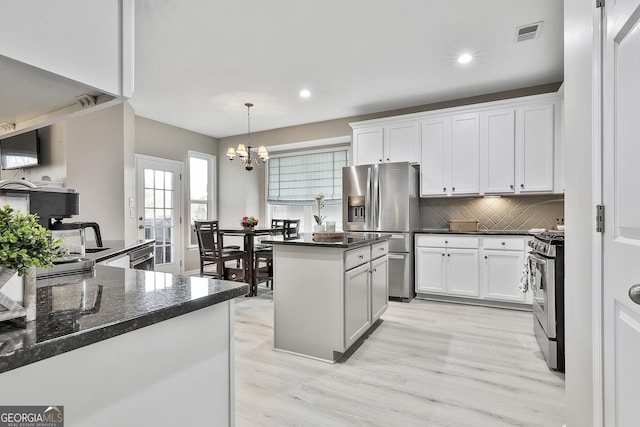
464	58
305	93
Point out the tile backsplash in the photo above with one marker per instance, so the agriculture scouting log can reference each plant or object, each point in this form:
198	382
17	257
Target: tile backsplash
494	213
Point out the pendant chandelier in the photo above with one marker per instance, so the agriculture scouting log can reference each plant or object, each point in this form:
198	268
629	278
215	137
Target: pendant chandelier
244	153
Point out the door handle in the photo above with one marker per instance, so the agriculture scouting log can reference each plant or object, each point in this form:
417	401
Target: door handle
141	227
634	293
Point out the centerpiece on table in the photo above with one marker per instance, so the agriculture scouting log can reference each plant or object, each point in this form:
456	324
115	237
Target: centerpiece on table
249	222
24	245
319	226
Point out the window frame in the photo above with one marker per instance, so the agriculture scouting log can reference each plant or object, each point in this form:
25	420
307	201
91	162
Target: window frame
212	160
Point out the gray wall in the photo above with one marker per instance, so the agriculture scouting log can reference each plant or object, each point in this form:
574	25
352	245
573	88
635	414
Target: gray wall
579	210
169	142
95	160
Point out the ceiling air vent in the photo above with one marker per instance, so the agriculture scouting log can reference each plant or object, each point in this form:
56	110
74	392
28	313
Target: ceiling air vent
528	32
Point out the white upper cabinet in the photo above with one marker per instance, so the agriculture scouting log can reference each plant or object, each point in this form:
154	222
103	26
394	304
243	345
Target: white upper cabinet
394	142
497	151
402	142
449	162
465	152
512	146
64	59
87	41
368	146
535	148
435	160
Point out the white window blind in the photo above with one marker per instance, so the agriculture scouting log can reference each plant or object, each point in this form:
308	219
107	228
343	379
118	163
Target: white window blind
298	179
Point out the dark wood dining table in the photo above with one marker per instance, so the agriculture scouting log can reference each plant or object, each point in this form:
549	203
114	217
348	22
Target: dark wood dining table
249	267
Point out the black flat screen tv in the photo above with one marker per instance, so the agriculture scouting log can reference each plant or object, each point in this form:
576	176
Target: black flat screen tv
20	151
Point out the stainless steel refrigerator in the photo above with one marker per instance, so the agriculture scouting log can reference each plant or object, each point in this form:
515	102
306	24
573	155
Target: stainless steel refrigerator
385	198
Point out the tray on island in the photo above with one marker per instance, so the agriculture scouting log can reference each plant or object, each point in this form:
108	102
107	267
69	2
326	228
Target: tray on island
325	236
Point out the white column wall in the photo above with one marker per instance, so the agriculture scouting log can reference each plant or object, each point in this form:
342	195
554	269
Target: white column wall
95	168
579	210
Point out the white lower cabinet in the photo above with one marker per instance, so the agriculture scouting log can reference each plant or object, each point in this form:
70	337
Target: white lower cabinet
366	289
430	270
356	303
500	273
486	268
447	265
501	268
462	267
379	286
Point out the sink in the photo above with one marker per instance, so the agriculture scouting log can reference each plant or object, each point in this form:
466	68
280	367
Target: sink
94	250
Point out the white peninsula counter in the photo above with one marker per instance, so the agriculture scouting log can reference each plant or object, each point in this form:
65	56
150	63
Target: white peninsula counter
328	294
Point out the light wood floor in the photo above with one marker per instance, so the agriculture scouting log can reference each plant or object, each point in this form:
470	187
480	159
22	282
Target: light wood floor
425	364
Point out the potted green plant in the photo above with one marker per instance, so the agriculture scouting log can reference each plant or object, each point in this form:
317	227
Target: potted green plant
24	244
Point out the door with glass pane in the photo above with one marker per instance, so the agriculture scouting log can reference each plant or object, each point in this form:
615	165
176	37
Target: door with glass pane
159	215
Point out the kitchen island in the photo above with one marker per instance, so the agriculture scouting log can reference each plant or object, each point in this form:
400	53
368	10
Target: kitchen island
118	346
328	294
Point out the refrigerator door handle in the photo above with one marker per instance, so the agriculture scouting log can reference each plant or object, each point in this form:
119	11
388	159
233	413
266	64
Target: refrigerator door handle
368	202
375	190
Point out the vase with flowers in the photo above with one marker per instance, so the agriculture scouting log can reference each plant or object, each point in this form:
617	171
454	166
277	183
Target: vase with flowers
319	226
249	222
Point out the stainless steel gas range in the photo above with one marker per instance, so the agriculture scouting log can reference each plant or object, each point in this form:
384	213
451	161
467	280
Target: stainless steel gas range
546	266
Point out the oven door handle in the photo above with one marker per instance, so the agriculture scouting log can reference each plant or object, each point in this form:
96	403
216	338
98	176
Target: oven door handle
538	261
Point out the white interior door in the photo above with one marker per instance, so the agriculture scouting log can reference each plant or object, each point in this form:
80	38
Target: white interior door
159	195
621	179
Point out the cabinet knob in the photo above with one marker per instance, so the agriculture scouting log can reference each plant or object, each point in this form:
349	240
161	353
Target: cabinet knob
361	256
387	159
503	243
511	186
448	254
446	242
453	188
486	257
521	185
442	254
444	190
380	160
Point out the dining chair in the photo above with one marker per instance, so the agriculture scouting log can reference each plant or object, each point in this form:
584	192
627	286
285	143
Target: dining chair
264	254
291	228
213	252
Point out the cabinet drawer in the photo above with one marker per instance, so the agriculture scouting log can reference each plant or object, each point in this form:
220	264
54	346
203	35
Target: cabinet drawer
504	243
356	257
379	249
448	241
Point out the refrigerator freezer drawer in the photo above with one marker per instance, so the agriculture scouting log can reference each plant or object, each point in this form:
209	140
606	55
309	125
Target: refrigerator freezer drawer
401	242
401	275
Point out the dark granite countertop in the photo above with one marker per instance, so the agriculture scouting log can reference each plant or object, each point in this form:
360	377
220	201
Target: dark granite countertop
78	310
480	232
348	241
113	248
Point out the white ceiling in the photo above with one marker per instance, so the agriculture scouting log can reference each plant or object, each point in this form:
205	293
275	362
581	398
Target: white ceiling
198	62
